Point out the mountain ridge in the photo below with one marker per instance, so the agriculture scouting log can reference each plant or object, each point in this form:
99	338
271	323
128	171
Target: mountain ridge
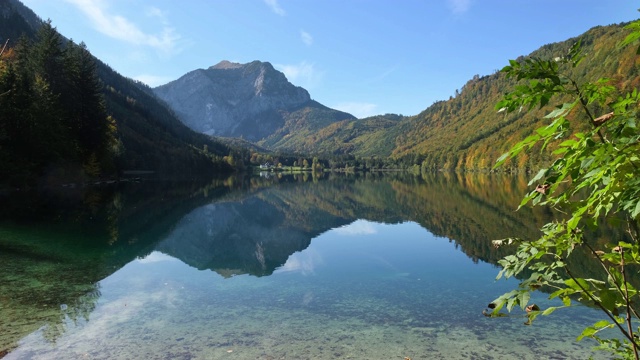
466	131
463	132
256	103
253	101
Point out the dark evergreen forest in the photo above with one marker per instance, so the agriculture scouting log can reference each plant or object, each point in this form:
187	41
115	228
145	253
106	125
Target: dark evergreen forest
67	117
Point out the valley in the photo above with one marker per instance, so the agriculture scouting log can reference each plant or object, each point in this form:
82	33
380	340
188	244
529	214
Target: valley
232	116
209	180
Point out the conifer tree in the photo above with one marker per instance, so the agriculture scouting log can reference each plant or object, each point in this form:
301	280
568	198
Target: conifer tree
88	112
52	111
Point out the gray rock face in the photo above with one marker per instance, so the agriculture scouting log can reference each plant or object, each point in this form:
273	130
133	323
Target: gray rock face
233	100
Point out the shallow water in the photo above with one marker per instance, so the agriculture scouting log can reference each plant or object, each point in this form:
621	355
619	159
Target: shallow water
360	289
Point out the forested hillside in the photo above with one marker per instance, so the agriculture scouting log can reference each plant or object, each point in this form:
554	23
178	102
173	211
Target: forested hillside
466	131
66	116
302	124
362	137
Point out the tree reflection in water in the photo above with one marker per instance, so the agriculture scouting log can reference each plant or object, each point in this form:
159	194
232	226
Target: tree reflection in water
56	246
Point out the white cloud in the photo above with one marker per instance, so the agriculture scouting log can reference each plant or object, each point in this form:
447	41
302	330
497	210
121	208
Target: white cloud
153	80
303	262
303	74
358	227
357	109
306	38
155	257
157	13
275	7
119	27
459	6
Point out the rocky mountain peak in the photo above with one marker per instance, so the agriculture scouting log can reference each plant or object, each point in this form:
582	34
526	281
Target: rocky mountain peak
232	99
225	65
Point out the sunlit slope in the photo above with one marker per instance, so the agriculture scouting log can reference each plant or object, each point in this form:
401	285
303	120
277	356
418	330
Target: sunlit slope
363	137
466	131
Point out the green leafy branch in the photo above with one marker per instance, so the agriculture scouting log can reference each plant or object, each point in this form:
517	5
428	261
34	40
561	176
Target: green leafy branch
594	177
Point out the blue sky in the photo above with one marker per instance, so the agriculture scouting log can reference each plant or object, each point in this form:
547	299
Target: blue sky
366	57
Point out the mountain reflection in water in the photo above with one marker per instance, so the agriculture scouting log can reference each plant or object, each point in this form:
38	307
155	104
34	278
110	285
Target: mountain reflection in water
56	247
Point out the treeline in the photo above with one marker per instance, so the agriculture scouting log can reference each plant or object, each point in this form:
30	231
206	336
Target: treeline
327	161
52	112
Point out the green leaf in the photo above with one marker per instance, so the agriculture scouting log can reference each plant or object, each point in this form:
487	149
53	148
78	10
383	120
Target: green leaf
523	299
608	299
573	222
560	150
561	111
578	284
501	160
532	139
616	278
636	211
556	293
538	176
587	332
632	37
601	324
548	311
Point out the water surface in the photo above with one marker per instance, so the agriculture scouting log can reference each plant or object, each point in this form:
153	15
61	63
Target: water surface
381	268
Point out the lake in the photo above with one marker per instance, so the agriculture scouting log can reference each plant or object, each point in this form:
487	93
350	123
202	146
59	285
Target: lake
290	267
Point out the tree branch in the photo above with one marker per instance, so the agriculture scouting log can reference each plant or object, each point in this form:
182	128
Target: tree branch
628	303
604	266
598	304
4	47
584	104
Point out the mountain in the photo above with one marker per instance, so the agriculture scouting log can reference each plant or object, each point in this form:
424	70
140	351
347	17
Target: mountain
153	137
233	238
149	135
465	131
253	101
